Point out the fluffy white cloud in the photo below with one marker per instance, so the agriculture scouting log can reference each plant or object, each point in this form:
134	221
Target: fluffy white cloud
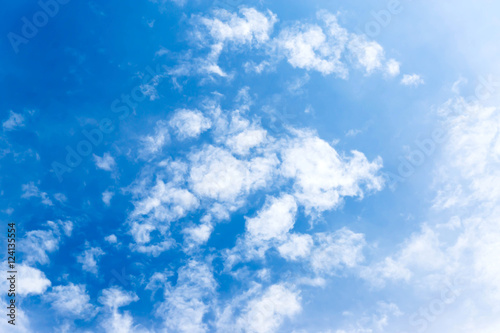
217	174
323	177
333	251
111	239
367	54
114	298
89	259
198	234
420	253
106	162
153	144
274	220
307	47
189	123
154	249
296	247
190	300
38	243
166	202
14	121
220	182
392	67
251	27
265	314
225	29
242	142
270	228
452	252
387	269
106	197
31	190
412	80
71	300
325	47
472	156
31	281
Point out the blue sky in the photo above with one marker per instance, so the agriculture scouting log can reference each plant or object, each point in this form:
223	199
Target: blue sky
252	166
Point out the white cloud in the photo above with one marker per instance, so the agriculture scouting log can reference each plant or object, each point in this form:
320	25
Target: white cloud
154	249
392	67
452	252
412	80
333	251
31	281
420	253
165	202
324	47
153	144
190	300
89	259
215	173
31	190
471	159
111	239
226	29
119	323
376	322
141	232
353	132
14	121
106	162
71	300
323	177
269	228
388	269
251	27
265	314
259	68
198	234
106	197
189	123
296	247
307	47
367	54
22	322
274	220
242	142
60	197
114	298
38	243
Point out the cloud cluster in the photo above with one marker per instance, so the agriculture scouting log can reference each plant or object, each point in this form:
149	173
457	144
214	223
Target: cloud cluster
325	46
37	244
236	159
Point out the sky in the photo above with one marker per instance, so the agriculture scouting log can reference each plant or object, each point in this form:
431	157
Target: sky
251	166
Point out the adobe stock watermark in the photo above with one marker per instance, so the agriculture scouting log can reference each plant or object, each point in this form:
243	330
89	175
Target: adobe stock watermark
421	151
484	90
48	9
382	18
122	107
422	319
424	148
